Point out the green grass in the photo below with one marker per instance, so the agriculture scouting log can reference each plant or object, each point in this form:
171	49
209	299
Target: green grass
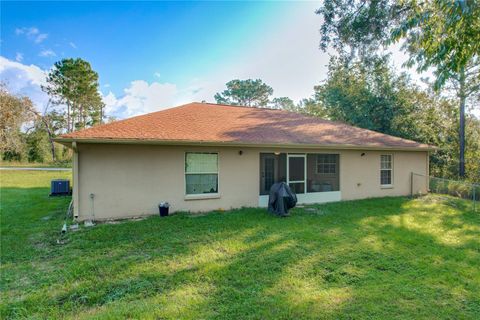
390	258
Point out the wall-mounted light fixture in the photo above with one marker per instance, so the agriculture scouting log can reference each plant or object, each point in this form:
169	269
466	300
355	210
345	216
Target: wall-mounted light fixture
276	153
240	152
363	153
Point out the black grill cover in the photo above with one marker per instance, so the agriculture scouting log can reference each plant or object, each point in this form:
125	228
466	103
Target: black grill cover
281	199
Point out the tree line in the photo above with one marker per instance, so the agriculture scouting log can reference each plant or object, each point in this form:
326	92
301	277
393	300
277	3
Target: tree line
375	97
75	103
362	87
440	35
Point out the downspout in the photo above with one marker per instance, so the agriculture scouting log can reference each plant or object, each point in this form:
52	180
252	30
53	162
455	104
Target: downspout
75	178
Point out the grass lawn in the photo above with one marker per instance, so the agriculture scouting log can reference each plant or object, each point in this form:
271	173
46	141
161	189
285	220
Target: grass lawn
378	259
8	164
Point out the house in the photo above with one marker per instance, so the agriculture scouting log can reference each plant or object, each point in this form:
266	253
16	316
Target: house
203	156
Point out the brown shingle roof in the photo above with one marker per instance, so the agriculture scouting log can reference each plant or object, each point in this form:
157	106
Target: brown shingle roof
213	123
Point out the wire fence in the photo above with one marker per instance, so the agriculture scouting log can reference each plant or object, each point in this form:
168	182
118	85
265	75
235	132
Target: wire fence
422	184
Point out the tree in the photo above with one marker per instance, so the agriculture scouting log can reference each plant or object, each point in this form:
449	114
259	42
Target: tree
371	97
50	122
252	93
73	83
445	35
14	112
37	142
283	103
440	34
312	106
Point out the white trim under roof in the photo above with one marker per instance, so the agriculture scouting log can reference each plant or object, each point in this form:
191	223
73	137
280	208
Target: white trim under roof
68	141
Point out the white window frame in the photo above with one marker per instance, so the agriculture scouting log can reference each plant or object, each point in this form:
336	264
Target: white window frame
390	185
316	163
195	196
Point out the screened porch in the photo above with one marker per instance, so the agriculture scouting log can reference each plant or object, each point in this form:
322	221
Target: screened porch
314	177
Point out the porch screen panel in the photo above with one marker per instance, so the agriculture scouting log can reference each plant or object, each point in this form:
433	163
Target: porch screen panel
273	169
296	168
323	172
296	173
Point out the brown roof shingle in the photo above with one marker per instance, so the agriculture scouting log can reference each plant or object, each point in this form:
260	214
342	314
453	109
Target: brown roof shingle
205	122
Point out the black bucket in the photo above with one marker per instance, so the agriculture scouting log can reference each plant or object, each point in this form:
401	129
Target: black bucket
163	210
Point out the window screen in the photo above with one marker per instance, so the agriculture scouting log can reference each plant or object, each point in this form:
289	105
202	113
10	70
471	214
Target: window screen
323	173
326	163
386	169
201	173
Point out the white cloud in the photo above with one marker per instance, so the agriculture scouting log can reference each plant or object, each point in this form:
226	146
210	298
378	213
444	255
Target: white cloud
34	74
19	57
27	31
47	53
32	33
73	45
41	37
112	106
141	97
24	80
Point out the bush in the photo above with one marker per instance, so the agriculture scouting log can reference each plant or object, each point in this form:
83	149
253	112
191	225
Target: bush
12	156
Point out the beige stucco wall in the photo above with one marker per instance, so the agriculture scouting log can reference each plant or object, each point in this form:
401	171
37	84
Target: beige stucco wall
130	180
360	175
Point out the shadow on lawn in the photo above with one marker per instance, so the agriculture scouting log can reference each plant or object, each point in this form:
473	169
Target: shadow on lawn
30	223
352	259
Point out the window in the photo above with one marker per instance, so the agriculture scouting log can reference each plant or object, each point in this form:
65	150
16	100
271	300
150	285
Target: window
327	163
386	170
201	173
323	172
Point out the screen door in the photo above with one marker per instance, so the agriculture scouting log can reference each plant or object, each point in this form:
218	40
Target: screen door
296	172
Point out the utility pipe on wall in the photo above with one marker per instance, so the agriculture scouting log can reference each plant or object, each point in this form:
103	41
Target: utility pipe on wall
92	211
75	177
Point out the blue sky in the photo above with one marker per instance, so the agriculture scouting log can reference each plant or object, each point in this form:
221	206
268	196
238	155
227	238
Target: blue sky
126	41
155	55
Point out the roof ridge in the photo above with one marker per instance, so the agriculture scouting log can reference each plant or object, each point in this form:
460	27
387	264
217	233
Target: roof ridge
239	106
